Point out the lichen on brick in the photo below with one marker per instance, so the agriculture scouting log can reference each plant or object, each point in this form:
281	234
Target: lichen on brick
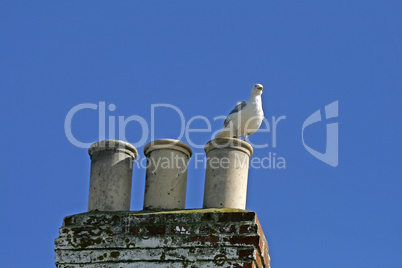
185	238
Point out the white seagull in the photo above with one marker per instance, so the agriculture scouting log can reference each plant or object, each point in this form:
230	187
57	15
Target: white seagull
246	117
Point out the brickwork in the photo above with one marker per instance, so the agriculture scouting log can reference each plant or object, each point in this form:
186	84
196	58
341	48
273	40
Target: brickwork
185	238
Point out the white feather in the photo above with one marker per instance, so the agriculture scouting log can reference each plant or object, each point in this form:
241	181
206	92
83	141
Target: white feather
246	119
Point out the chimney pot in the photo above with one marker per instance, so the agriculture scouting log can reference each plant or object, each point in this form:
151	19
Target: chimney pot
111	175
166	175
226	173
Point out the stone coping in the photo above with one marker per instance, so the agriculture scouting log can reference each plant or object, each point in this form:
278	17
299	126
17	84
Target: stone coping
169	144
229	143
116	145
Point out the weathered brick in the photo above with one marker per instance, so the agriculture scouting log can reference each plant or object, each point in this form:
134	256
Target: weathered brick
210	216
246	253
228	229
134	230
259	229
68	221
202	239
258	261
155	230
244	240
192	238
249	264
180	229
236	216
142	219
153	264
266	258
243	216
261	244
205	229
248	228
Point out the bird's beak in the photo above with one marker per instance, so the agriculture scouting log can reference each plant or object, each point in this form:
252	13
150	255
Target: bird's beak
260	88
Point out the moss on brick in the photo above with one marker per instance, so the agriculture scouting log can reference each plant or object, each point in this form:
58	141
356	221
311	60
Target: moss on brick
187	236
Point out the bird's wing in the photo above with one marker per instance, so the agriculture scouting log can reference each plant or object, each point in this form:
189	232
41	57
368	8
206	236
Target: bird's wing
226	123
238	108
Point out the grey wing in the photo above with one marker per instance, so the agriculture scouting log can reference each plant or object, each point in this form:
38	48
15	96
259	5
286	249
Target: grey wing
226	123
237	109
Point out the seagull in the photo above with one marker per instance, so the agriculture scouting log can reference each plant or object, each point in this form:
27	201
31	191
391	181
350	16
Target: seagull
246	118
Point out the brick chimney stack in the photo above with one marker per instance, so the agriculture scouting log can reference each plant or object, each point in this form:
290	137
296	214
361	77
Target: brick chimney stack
164	234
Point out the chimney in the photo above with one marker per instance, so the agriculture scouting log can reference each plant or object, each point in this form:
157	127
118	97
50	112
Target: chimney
111	175
227	173
166	176
164	234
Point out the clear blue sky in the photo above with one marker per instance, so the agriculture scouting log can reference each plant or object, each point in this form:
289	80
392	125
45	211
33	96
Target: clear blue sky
203	57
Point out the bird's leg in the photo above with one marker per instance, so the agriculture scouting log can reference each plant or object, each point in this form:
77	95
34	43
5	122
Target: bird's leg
237	133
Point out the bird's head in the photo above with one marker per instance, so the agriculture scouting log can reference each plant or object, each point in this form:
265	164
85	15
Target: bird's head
257	89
